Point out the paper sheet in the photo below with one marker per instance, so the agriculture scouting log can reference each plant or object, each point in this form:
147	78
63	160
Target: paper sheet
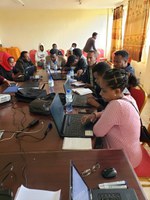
77	143
82	91
24	193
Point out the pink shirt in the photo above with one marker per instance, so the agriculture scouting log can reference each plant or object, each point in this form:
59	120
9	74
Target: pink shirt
120	124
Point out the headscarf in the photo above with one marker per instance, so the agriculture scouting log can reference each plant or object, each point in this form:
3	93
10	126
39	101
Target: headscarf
41	44
5	64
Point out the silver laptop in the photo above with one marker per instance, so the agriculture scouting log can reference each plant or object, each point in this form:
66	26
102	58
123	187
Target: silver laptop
80	191
69	125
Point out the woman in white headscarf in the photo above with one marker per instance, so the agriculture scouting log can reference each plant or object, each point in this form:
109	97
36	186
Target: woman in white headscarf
40	56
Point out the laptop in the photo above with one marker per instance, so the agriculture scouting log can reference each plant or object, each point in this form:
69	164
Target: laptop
58	76
78	101
79	190
30	84
69	125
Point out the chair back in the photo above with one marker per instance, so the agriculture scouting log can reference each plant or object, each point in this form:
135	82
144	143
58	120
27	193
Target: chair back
32	55
140	96
101	57
62	51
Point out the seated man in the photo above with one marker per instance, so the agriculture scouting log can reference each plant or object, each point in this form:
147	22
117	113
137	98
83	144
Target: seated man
40	56
98	71
87	76
24	66
81	64
55	59
71	62
121	61
54	46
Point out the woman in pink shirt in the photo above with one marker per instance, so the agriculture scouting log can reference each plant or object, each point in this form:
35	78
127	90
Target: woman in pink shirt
119	122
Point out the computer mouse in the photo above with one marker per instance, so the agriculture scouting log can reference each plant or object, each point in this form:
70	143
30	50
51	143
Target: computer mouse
109	172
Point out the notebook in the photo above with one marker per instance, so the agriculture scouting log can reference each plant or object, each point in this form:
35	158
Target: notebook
69	125
11	89
79	190
78	101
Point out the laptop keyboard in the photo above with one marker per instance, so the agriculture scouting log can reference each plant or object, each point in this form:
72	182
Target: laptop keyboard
109	196
80	101
73	126
59	76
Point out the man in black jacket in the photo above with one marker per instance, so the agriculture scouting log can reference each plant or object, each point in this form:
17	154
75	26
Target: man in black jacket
24	66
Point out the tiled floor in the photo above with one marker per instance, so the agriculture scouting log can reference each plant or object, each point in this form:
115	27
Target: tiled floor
145	115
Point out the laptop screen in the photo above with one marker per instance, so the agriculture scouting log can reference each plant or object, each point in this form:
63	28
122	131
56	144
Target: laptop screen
67	85
79	189
57	112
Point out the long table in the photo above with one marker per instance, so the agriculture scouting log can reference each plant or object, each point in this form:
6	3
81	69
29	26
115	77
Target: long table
51	170
43	164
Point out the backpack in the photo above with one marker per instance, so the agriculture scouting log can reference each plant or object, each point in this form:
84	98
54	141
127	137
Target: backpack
29	94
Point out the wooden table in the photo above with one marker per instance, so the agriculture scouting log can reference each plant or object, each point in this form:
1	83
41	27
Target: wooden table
50	170
15	115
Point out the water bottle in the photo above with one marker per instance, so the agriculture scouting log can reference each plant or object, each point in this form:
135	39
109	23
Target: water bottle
69	101
55	67
51	84
48	66
68	75
72	73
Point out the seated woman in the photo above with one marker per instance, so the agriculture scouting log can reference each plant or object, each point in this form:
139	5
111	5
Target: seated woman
119	122
6	67
40	56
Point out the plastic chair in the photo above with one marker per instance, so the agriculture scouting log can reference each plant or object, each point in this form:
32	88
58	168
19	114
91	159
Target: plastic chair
62	51
101	57
140	96
32	55
15	52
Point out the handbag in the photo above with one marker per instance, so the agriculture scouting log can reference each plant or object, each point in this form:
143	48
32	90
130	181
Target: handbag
144	135
42	105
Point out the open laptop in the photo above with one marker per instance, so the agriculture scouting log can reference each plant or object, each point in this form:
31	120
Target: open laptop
69	125
78	101
79	190
58	76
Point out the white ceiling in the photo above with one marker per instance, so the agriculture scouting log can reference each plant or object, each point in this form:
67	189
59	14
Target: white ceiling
58	4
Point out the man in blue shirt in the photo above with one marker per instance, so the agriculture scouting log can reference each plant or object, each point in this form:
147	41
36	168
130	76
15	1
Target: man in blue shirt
121	61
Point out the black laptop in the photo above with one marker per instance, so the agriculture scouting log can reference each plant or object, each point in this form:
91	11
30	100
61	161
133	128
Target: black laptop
79	190
78	101
69	125
58	76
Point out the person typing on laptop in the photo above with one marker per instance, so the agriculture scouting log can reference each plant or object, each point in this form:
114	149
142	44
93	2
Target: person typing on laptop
119	122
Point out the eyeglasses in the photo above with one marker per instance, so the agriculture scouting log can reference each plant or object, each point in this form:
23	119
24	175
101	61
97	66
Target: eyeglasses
91	170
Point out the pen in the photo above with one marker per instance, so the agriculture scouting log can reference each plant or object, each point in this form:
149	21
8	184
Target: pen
113	187
114	183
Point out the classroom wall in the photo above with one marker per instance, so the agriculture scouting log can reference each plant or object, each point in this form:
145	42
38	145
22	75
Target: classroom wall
26	28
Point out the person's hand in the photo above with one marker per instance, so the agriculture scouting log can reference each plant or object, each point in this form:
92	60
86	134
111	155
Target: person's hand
87	85
86	118
7	82
79	72
93	102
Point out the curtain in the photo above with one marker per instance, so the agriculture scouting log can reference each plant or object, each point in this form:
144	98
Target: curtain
117	29
135	31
